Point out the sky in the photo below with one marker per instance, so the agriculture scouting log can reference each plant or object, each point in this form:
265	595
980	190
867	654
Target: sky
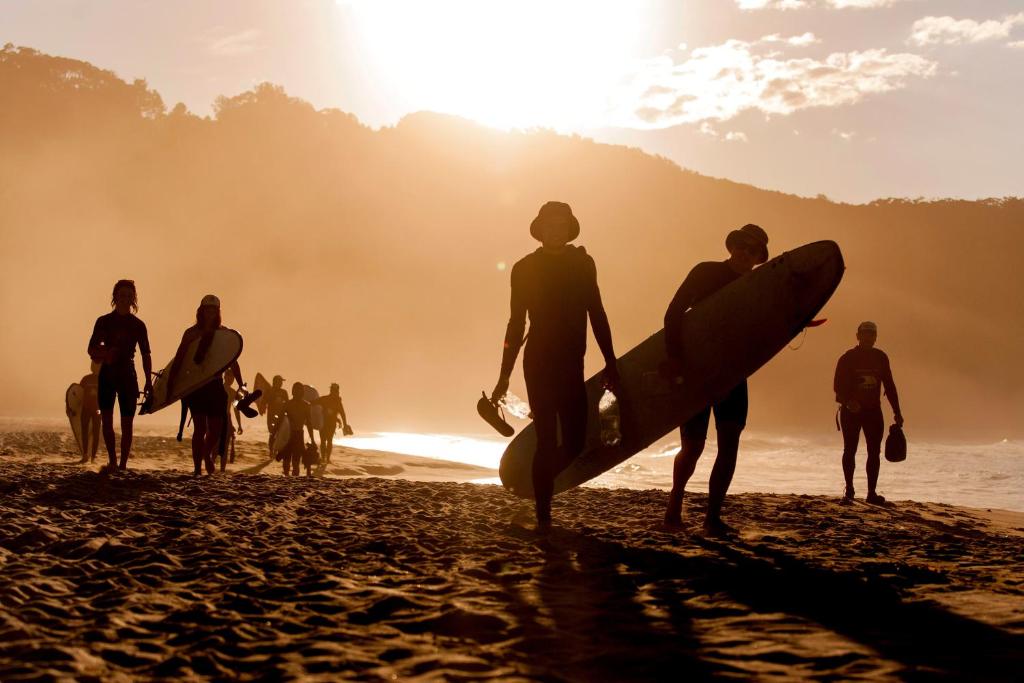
852	99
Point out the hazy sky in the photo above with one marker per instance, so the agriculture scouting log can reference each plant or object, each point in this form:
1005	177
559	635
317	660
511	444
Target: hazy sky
855	99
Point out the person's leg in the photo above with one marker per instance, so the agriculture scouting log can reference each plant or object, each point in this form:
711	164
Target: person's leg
214	430
850	424
199	428
721	473
874	428
107	396
127	395
691	444
94	431
84	423
545	421
730	419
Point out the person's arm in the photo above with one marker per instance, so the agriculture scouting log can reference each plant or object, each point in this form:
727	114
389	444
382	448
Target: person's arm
341	413
147	359
95	340
890	392
839	382
599	323
181	424
677	308
514	332
236	371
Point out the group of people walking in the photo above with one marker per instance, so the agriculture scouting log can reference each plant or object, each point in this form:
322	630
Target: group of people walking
112	347
324	414
556	287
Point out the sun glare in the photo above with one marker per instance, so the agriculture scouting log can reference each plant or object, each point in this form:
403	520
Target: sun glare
521	64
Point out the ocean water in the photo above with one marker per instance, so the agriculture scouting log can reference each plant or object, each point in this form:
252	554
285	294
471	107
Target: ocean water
987	475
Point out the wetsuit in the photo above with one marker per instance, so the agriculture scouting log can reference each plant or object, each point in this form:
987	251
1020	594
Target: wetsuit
861	373
209	399
558	291
333	409
119	335
296	411
704	280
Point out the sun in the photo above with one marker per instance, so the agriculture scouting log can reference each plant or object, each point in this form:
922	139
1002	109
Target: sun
507	64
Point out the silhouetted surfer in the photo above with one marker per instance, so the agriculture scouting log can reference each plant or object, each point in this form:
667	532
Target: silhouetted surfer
556	286
90	416
208	403
113	342
747	248
297	412
277	397
334	416
861	373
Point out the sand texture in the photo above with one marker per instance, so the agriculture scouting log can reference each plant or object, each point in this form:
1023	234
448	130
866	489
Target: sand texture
153	574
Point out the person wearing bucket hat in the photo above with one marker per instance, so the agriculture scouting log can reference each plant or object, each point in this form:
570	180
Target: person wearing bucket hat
112	344
556	286
747	247
209	403
861	374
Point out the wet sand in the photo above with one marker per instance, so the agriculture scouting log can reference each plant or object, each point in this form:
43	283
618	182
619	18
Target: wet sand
154	574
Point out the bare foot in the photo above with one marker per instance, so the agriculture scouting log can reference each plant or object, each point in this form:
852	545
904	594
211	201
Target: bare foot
718	528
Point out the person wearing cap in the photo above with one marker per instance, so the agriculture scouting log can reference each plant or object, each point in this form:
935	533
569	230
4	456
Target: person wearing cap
112	344
209	402
334	416
747	247
861	374
556	286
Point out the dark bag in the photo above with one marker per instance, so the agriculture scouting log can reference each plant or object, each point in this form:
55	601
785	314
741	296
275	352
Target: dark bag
311	456
896	445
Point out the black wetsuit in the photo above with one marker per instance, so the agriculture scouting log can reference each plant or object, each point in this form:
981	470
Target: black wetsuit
860	376
558	292
119	334
296	411
704	280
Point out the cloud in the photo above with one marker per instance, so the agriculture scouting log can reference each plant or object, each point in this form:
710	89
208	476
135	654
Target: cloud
241	43
950	31
719	82
803	4
1016	45
796	41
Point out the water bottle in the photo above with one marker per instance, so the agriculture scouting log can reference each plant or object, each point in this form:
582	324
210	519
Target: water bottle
515	406
608	409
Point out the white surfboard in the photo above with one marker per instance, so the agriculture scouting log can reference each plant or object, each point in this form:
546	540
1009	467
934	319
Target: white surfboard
281	436
316	413
224	350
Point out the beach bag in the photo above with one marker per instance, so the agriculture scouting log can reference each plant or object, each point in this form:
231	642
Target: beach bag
896	445
311	456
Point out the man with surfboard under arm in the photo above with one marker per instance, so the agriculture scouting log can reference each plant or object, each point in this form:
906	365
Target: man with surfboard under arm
748	247
557	286
113	342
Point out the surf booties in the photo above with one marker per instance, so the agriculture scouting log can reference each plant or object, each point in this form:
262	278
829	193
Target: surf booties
493	415
245	404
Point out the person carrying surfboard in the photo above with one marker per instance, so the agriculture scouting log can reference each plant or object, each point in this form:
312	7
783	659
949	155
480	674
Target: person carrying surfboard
556	286
861	373
334	416
208	403
276	398
747	247
113	341
297	412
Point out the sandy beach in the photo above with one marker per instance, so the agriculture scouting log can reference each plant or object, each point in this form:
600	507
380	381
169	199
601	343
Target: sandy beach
401	569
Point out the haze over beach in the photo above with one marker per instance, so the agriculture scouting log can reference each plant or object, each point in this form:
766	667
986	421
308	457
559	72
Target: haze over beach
349	183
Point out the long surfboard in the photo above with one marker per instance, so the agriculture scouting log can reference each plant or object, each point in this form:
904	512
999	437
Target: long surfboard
726	337
225	348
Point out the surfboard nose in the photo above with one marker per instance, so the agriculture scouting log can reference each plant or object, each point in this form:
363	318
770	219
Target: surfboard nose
815	257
